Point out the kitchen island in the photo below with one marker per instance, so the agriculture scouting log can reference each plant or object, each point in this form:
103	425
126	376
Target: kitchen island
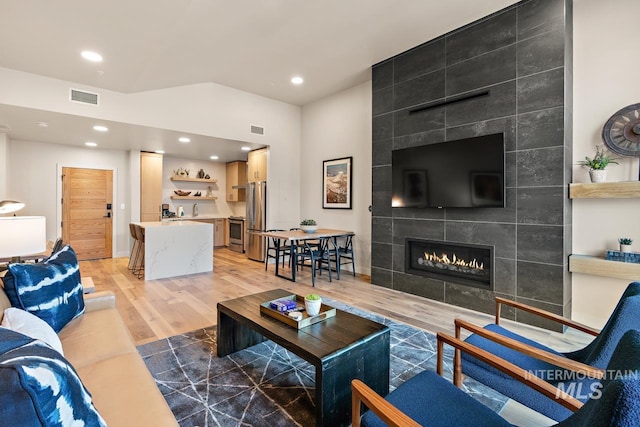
177	248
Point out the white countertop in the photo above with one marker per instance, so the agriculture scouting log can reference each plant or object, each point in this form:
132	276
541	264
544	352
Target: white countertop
180	223
190	217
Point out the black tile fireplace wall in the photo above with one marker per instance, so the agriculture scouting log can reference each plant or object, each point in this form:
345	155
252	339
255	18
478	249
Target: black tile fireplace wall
523	56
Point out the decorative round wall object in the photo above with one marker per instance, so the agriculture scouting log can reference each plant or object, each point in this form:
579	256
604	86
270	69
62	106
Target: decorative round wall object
621	133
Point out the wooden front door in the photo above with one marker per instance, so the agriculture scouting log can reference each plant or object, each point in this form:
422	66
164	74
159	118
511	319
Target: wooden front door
87	198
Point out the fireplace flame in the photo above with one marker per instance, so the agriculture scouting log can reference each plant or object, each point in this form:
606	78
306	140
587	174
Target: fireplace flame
444	259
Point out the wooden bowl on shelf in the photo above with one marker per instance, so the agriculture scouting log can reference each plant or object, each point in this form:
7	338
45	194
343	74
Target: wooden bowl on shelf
182	193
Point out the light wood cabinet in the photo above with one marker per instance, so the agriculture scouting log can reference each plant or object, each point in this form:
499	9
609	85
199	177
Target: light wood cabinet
236	181
257	165
218	229
218	232
150	187
226	232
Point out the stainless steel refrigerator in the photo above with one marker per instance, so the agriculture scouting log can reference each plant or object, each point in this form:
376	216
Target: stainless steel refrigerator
256	219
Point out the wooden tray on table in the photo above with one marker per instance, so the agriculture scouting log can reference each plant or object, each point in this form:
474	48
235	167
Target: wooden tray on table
326	312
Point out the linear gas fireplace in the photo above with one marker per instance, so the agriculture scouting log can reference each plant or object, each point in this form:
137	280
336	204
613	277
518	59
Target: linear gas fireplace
461	263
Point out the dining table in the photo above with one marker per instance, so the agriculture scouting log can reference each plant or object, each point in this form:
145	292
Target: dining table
294	237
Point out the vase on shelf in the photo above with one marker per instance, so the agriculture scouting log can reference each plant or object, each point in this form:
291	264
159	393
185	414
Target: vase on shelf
598	175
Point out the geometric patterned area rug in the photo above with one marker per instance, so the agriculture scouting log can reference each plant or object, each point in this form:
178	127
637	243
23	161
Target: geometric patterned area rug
266	385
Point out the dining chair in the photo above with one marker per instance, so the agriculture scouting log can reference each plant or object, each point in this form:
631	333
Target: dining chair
317	256
272	251
539	359
428	399
346	254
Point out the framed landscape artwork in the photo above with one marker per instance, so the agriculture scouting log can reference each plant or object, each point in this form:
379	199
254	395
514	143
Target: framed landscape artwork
336	183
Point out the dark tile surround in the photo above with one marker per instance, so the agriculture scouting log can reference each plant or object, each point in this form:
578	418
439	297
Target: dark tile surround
522	54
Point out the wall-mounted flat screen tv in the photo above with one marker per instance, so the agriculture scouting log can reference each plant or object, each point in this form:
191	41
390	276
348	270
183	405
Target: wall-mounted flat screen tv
465	173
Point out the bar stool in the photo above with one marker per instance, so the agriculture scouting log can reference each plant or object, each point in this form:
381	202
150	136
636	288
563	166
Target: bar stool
135	249
139	269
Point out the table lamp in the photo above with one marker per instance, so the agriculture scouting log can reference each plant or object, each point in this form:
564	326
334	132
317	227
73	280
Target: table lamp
8	206
22	235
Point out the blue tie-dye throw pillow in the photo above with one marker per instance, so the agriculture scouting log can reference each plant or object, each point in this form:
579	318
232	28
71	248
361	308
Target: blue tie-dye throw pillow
38	387
50	289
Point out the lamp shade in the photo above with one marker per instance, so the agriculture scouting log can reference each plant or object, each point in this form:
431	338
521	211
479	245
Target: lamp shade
22	235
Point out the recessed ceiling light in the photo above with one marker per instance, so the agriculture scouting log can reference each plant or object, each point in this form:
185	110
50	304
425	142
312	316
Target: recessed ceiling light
90	144
43	124
100	128
91	56
184	139
214	157
246	148
159	151
297	80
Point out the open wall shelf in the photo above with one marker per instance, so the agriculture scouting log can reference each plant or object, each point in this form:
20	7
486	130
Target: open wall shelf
179	178
598	266
605	190
193	198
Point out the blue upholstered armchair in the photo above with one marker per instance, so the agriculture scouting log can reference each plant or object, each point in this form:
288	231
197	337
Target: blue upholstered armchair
543	361
430	400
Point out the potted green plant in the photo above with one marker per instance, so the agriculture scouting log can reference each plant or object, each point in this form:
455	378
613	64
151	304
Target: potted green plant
597	165
312	303
308	225
625	244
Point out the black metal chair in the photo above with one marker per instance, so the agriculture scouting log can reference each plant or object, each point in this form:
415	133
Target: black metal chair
333	254
272	252
346	253
318	257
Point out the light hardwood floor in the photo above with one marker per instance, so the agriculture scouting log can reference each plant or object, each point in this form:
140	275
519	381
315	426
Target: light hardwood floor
161	308
157	309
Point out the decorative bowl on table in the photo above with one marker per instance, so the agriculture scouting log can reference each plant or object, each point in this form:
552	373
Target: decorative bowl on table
309	228
182	193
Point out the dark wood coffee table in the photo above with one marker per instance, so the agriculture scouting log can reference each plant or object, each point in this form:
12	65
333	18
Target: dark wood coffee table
341	348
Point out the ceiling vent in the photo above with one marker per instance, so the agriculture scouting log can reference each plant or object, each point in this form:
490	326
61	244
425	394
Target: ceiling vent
83	97
258	130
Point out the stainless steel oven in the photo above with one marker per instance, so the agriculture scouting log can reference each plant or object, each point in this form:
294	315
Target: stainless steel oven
236	233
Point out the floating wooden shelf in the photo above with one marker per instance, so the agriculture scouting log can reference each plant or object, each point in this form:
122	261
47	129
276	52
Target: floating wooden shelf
179	178
598	266
193	198
605	190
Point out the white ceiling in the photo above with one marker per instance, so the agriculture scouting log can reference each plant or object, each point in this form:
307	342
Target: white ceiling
251	45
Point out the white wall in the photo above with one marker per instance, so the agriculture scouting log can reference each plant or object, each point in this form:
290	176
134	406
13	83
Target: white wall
216	170
334	127
4	163
605	75
34	179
